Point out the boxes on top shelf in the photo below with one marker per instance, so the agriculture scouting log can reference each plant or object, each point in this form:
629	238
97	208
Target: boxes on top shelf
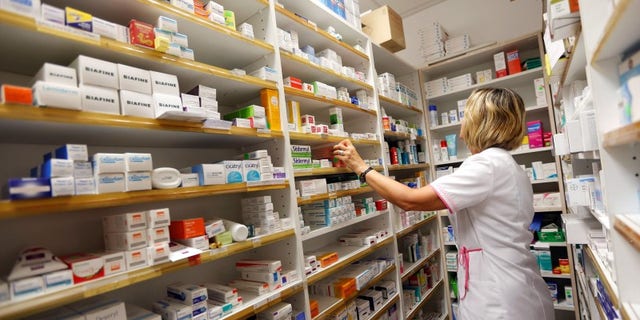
384	27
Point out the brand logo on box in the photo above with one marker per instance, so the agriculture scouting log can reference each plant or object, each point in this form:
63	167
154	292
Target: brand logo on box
99	71
60	75
138	104
132	78
164	83
136	218
296	148
136	255
168	105
99	99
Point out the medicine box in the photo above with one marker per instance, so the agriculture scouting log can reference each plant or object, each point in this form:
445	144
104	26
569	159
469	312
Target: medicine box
26	287
62	186
136	259
56	74
52	14
251	170
203	91
157	218
136	104
138	162
141	34
189	180
108	163
534	132
136	181
198	242
187	293
58	279
15	94
158	253
114	262
513	62
164	83
96	72
27	8
56	95
85	267
85	186
134	79
210	174
57	168
110	30
158	235
75	152
188	228
124	241
270	101
29	188
220	292
136	313
199	311
500	64
171	310
125	222
78	19
163	103
110	182
190	101
233	171
259	265
99	99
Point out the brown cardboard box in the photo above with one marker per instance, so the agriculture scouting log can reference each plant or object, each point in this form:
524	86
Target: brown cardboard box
384	27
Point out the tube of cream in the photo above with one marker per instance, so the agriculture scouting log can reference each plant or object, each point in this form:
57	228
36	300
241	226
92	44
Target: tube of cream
452	147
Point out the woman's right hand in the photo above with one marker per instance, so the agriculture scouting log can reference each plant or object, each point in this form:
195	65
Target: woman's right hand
346	152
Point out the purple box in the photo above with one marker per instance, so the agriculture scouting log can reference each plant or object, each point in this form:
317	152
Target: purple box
29	188
534	131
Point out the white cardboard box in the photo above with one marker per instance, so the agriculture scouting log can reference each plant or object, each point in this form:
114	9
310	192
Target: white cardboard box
134	79
99	99
96	72
136	104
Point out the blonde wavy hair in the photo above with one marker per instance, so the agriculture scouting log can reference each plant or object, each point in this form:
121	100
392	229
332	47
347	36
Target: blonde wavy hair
493	117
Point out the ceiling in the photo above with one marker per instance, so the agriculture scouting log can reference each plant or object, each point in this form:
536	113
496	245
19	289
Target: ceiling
403	7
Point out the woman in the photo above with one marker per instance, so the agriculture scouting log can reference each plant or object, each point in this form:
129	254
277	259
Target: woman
490	205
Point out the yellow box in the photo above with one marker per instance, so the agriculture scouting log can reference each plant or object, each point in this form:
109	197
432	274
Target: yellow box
230	19
78	19
384	26
271	102
293	115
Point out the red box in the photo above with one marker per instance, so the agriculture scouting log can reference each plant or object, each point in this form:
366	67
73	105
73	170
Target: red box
185	229
381	205
315	309
513	62
293	82
15	94
141	34
84	266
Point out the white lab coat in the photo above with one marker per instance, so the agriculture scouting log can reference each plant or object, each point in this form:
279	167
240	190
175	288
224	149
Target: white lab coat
490	205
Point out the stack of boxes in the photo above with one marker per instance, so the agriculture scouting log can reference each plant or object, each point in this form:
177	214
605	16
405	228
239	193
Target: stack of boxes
36	271
258	213
432	39
457	44
436	87
329	212
120	172
166	39
280	311
222	300
253	275
252	116
419	283
387	85
190	232
301	154
184	301
138	239
207	100
330	59
459	83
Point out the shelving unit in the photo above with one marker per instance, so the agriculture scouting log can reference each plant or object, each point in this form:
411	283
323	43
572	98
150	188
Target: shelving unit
427	296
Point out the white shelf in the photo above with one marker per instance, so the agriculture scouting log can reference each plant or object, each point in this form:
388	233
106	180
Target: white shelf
450	126
629	228
453	55
522	76
602	218
322	231
386	61
543	181
426	297
449	243
253	304
412	267
546	245
562	305
603	273
631	311
556	276
535	108
529	151
615	37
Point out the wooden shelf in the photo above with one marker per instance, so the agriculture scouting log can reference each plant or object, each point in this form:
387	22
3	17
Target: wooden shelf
337	194
293	65
629	230
317	37
524	75
415	226
64	46
322	231
615	38
398	167
343	301
322	139
418	264
325	171
22	208
324	101
25	307
345	261
397	104
604	276
626	135
414	311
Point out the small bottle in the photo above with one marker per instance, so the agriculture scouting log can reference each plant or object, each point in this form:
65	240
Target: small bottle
453	116
444	153
433	115
436	151
445	118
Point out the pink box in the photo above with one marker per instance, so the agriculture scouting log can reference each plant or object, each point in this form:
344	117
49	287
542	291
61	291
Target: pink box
308	119
534	131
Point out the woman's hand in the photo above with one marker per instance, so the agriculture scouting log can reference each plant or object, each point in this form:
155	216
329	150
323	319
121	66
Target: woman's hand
346	152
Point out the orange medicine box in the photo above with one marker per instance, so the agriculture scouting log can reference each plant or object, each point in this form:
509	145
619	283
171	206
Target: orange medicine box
345	287
271	103
141	33
327	259
315	309
513	62
189	228
15	94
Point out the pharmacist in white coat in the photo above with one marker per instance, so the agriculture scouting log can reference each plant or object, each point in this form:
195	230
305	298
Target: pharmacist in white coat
490	204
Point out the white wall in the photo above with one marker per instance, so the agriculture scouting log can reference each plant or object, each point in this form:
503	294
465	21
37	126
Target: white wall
484	21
